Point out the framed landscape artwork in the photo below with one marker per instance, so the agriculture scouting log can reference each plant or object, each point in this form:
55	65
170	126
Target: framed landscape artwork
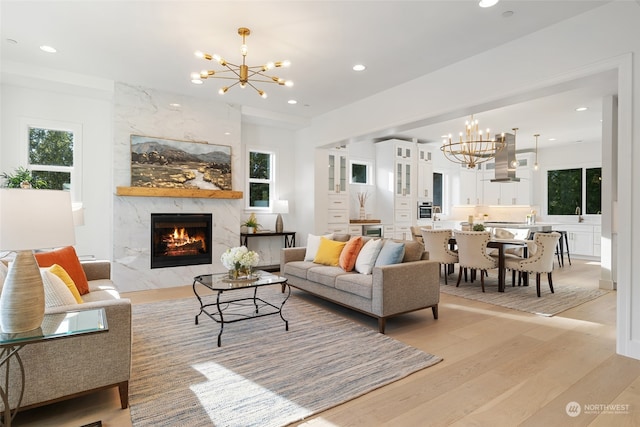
169	163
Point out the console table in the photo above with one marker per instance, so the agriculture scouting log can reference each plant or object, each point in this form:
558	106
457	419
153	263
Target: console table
54	326
289	242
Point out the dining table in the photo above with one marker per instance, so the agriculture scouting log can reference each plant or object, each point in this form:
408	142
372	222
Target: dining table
501	245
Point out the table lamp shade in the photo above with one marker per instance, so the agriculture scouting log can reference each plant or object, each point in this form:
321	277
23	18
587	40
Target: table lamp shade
30	219
280	207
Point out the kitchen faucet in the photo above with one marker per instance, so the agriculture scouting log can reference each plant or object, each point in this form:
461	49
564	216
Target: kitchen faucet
578	212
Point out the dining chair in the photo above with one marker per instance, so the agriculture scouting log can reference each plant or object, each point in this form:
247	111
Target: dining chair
472	253
416	233
436	242
541	261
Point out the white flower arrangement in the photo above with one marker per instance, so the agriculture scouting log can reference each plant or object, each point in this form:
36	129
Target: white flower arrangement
239	257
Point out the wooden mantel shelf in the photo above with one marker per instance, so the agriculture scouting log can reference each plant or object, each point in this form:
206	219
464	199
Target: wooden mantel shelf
178	192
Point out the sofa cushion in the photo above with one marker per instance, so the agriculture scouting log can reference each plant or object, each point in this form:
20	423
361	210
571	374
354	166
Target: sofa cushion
101	290
68	281
56	292
391	253
358	284
313	243
298	268
350	253
367	256
325	275
329	252
67	259
412	251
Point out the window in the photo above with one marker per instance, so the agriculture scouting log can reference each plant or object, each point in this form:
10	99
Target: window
53	153
360	173
437	190
593	184
574	191
261	179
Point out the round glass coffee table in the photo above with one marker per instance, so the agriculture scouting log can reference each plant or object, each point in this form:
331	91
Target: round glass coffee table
241	308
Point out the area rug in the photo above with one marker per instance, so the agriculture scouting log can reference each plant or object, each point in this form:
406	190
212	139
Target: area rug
524	298
262	375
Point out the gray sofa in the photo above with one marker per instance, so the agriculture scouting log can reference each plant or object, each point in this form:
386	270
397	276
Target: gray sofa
59	369
389	291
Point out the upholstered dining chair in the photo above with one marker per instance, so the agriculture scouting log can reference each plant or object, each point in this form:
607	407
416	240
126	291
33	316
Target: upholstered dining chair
436	242
472	253
416	233
541	261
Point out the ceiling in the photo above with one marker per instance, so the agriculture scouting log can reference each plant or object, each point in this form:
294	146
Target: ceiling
151	43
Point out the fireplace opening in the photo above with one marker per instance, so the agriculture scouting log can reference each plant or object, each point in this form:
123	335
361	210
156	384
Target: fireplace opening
180	239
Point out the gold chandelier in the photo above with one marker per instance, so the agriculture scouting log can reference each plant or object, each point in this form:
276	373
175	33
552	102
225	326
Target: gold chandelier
243	74
473	146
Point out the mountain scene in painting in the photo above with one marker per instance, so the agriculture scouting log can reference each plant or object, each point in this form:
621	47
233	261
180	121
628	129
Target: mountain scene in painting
166	163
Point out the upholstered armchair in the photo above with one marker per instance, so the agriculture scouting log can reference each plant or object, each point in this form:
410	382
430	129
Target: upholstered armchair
541	261
436	242
472	253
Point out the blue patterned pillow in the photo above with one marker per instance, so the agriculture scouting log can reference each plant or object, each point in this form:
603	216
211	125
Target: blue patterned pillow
391	253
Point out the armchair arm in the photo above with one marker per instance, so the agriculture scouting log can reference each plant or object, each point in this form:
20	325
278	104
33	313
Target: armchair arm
408	286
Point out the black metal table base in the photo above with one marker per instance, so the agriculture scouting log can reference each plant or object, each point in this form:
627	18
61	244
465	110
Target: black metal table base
259	308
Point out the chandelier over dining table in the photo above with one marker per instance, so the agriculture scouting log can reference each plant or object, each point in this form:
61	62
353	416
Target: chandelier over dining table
473	146
243	74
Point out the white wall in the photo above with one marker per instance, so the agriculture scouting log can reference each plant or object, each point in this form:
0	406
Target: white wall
279	141
89	107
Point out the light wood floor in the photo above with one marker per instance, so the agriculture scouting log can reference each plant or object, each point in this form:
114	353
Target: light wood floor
501	368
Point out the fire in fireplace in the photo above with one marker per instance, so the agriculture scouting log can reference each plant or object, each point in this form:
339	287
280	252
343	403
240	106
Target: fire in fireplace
180	239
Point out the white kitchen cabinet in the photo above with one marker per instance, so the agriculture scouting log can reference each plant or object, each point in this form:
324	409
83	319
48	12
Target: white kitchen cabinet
470	182
425	175
507	193
396	198
580	237
337	163
338	195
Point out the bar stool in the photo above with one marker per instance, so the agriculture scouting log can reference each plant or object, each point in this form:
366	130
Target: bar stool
560	248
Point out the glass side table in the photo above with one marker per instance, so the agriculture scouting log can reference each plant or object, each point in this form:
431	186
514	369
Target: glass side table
54	326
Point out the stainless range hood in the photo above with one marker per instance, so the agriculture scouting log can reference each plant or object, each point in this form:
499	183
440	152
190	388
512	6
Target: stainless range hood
505	163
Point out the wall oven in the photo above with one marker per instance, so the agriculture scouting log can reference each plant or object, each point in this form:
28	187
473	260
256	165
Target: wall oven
425	210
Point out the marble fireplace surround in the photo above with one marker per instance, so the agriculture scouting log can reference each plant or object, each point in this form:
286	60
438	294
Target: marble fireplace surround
144	111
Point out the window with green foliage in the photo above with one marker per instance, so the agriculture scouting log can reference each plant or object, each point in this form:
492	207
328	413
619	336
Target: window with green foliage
260	180
566	194
564	191
51	156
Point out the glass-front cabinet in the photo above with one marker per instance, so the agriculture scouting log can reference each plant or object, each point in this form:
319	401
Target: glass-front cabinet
337	172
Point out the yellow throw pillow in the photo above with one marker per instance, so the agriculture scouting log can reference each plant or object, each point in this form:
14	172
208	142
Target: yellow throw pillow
329	252
62	274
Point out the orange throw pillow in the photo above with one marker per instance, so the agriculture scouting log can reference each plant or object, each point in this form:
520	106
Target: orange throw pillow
350	253
67	259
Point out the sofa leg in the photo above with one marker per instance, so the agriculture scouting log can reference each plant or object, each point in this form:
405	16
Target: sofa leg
381	324
123	388
435	311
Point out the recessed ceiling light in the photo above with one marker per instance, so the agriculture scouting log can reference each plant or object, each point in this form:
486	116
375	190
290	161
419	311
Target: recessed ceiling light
487	3
196	81
292	101
174	104
552	139
227	133
507	14
359	67
581	109
48	49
